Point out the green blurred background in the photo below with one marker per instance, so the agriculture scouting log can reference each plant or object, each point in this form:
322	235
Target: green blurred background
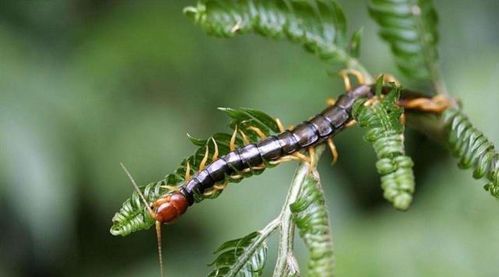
86	84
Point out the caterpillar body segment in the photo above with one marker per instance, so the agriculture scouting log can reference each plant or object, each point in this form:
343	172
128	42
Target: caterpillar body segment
255	156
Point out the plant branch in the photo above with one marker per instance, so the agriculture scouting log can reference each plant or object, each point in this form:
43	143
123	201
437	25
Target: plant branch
287	226
263	234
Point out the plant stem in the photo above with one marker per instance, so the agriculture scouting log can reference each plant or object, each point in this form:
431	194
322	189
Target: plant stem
285	259
264	233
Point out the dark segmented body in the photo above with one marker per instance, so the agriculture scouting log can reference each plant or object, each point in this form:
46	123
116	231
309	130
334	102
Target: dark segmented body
307	134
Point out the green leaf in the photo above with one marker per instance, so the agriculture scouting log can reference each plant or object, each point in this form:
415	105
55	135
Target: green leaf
473	149
245	256
379	86
196	141
133	215
248	119
311	218
386	134
410	27
318	25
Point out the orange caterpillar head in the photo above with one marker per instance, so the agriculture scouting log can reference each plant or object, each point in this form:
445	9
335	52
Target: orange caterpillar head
164	210
169	207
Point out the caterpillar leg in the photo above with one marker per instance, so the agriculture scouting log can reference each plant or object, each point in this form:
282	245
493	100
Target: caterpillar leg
389	78
301	157
254	168
346	80
232	144
311	154
220	186
202	164
279	125
345	75
330	101
171	188
215	152
436	104
216	188
245	138
258	132
236	176
333	150
187	175
296	157
350	123
374	100
287	159
260	167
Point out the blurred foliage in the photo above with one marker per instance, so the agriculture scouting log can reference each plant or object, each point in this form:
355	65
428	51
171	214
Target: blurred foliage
320	26
410	27
87	84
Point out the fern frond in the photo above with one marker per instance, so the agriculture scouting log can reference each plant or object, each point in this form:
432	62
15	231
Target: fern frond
246	119
133	215
311	217
410	27
318	25
245	256
473	149
385	133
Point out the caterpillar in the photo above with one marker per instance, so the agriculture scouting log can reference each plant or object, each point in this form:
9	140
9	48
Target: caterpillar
259	142
473	149
212	173
161	203
381	118
246	159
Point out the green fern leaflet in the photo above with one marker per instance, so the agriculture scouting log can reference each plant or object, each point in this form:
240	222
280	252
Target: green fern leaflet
410	27
318	25
473	149
133	215
385	133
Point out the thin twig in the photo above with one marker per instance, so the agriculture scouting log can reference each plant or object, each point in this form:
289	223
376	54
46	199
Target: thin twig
287	225
264	233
